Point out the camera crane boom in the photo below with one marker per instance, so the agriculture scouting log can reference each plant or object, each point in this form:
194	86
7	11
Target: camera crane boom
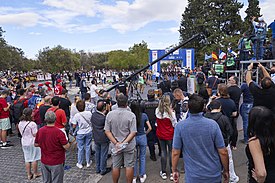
157	60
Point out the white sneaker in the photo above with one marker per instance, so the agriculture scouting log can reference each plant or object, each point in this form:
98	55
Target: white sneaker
89	164
235	180
163	175
79	165
171	177
142	179
134	180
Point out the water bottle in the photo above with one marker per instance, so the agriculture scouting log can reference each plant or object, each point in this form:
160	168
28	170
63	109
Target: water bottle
119	148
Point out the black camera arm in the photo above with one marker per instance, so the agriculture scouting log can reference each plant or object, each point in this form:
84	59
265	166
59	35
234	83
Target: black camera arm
201	36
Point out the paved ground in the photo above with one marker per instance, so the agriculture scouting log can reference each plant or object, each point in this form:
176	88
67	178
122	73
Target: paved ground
12	165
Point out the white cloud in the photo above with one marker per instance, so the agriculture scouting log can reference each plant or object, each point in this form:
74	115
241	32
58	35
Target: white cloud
267	9
26	19
35	33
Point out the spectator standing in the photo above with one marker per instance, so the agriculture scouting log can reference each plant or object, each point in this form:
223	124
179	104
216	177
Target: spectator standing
120	128
180	104
235	94
141	140
89	106
32	154
43	109
245	108
53	144
83	134
202	144
94	92
182	82
83	87
259	38
272	27
61	119
101	140
212	82
260	150
263	96
166	120
150	108
58	88
4	120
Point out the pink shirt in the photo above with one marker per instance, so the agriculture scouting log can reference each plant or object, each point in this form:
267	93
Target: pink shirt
27	137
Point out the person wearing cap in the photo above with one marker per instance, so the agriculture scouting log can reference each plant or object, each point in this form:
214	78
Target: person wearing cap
258	39
58	88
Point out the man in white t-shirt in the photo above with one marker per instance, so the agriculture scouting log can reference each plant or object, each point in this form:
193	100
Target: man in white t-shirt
94	92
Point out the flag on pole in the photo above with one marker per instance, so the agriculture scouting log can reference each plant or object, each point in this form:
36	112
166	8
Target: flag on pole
232	52
222	55
214	56
206	57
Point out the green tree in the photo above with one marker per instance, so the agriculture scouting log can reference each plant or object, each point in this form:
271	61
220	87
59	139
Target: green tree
218	19
140	53
58	59
253	10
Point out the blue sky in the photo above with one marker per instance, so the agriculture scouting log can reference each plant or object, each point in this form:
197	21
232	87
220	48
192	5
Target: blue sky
96	25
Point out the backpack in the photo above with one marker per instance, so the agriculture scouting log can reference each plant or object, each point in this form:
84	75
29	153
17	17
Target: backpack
18	108
200	78
36	116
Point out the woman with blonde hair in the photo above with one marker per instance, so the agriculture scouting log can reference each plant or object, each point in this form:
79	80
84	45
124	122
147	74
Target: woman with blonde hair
166	120
28	130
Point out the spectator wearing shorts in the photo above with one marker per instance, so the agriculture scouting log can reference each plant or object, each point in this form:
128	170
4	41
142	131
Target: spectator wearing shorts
4	120
120	128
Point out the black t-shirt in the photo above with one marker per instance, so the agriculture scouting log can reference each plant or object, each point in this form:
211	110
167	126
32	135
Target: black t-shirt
65	105
182	82
228	106
263	97
213	82
122	88
235	94
165	86
42	111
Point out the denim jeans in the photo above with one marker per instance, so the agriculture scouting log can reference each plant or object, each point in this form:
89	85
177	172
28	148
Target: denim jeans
244	111
258	49
101	155
84	142
141	143
166	150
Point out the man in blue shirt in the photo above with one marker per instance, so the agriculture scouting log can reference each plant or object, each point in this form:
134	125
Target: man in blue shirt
204	153
272	27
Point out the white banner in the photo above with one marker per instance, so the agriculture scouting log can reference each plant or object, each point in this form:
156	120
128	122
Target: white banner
189	58
155	57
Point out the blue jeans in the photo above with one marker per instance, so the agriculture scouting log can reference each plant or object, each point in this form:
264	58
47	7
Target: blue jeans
141	143
258	49
101	154
84	142
244	111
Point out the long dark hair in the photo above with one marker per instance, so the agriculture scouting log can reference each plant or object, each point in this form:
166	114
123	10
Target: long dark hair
262	126
27	115
136	109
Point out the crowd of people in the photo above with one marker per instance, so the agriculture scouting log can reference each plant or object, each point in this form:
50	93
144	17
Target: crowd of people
201	128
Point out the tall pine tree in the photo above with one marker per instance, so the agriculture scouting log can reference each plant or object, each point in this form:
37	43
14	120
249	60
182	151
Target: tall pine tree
219	18
253	10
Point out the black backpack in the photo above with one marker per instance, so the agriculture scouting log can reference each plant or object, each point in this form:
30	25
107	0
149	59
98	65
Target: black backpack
18	108
200	78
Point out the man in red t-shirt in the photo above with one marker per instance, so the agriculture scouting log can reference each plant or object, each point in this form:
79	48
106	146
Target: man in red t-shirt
61	119
53	144
58	88
4	120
